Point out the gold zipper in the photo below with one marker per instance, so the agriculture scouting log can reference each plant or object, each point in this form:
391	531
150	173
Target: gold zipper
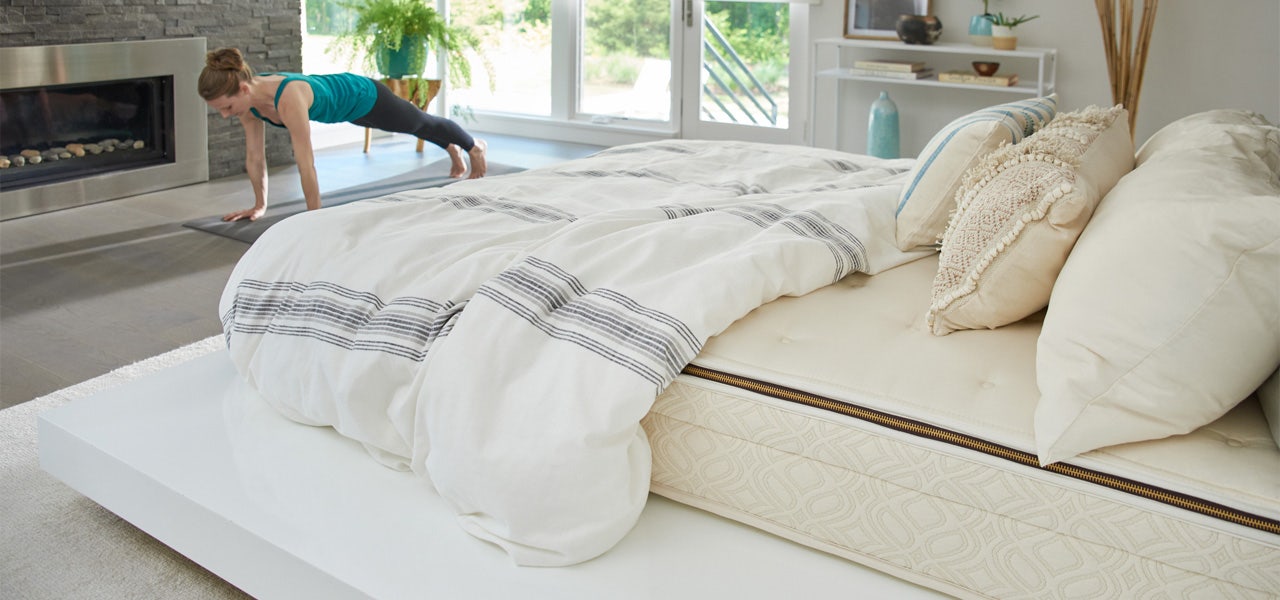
932	432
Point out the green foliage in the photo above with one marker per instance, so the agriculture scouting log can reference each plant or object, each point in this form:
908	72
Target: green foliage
1003	21
757	31
633	27
327	17
385	24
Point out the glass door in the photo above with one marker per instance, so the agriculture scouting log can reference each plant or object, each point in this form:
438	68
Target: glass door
624	71
736	70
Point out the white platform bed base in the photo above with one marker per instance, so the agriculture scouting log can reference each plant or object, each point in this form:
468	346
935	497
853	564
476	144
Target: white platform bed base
282	510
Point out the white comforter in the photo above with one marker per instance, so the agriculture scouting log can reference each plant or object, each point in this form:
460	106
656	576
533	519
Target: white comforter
504	336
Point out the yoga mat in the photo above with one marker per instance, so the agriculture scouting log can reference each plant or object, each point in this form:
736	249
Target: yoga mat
435	174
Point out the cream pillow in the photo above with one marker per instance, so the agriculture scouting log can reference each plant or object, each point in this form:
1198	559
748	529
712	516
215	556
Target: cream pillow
1167	313
929	195
1269	397
1019	212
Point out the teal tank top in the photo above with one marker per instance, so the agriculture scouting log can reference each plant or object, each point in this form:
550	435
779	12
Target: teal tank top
336	98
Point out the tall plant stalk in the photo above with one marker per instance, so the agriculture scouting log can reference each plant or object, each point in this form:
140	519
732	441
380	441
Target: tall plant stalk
1126	55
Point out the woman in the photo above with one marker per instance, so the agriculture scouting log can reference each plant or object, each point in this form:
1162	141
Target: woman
292	101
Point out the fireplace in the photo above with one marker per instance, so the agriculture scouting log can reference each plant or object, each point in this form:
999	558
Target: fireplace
84	123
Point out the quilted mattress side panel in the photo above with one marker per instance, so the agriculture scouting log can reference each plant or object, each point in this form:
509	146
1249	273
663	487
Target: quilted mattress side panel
940	516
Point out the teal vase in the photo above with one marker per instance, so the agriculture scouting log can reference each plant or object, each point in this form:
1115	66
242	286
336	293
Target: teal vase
980	30
882	128
407	61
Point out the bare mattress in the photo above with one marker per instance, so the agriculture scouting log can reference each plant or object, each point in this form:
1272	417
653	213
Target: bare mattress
838	421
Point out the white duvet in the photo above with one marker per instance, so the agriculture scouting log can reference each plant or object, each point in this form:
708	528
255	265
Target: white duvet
504	336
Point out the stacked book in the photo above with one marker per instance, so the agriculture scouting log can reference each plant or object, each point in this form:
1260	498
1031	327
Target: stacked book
975	79
891	69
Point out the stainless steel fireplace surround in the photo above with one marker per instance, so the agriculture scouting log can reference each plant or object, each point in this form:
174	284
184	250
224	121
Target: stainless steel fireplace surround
182	58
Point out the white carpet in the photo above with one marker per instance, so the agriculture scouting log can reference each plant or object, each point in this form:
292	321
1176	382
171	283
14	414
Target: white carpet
56	544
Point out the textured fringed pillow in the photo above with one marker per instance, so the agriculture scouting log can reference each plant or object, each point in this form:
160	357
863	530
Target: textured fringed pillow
1019	212
929	195
1167	313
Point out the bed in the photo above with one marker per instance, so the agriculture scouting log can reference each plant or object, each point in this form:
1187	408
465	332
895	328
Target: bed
774	334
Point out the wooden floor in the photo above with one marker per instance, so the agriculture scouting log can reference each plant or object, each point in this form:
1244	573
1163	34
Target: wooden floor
90	289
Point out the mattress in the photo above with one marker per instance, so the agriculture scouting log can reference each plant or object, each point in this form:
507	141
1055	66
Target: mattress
837	421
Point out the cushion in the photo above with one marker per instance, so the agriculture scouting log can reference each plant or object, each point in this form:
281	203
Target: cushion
1018	213
1167	313
1269	397
929	195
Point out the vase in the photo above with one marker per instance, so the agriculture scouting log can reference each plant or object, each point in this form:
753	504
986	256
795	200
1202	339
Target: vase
408	60
919	29
980	30
882	128
1002	38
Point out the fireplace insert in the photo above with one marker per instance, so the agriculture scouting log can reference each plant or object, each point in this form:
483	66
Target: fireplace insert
83	123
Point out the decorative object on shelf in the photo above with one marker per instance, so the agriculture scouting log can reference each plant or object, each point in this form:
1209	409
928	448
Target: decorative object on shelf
887	74
919	29
970	78
986	68
904	66
1002	27
393	36
980	27
878	19
1125	64
882	128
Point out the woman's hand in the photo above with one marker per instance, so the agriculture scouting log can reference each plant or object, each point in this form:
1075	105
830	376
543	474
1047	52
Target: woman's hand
249	213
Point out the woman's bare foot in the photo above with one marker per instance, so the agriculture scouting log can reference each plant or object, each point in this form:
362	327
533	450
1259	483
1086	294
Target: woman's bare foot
457	166
478	164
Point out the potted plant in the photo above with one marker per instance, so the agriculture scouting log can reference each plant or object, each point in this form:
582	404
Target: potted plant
1002	36
395	36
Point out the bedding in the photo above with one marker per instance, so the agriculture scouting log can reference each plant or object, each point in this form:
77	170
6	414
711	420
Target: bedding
503	337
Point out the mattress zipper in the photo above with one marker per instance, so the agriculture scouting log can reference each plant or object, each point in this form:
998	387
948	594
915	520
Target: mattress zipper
933	432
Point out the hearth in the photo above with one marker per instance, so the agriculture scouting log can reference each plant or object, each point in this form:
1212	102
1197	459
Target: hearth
84	123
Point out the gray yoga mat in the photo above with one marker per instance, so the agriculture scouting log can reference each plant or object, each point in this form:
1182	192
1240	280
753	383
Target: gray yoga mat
435	174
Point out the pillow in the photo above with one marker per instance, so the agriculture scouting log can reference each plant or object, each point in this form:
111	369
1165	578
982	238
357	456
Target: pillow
1018	213
930	192
1167	313
1269	397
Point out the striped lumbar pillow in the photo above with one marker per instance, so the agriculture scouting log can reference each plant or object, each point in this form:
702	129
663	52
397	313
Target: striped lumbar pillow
929	195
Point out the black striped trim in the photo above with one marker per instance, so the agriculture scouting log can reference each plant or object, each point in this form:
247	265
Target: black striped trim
648	342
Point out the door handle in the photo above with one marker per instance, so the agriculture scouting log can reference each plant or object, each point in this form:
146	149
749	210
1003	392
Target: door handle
688	13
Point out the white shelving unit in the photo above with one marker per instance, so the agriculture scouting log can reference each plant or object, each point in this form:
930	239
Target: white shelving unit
837	55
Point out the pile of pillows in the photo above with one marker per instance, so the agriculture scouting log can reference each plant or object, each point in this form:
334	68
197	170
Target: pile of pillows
1160	268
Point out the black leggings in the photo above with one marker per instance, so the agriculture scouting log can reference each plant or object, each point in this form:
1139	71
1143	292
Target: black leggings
393	113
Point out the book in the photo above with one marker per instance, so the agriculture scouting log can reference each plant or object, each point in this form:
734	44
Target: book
906	66
975	79
922	74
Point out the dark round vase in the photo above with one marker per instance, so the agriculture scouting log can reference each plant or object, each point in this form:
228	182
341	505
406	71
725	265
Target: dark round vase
919	29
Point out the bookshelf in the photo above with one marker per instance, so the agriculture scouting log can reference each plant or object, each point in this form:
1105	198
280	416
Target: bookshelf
833	59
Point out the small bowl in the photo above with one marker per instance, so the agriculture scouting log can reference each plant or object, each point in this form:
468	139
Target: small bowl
986	69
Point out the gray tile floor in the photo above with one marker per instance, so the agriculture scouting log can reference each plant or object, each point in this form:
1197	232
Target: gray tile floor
90	289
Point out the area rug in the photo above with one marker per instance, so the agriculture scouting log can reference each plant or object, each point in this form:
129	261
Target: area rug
56	543
435	174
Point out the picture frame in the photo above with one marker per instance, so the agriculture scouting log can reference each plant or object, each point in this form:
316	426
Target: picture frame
878	19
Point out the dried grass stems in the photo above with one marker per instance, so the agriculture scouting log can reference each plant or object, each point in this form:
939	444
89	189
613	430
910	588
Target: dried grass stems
1125	58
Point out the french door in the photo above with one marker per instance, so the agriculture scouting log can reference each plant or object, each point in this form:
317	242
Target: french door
717	69
736	69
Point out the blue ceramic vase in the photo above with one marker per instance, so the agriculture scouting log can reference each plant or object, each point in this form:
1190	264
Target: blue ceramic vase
980	30
882	128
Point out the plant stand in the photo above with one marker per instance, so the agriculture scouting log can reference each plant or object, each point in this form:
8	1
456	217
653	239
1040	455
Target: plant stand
404	89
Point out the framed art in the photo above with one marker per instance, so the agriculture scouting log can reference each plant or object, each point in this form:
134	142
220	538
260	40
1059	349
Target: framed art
878	19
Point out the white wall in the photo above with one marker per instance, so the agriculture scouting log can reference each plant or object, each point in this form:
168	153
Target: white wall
1203	55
